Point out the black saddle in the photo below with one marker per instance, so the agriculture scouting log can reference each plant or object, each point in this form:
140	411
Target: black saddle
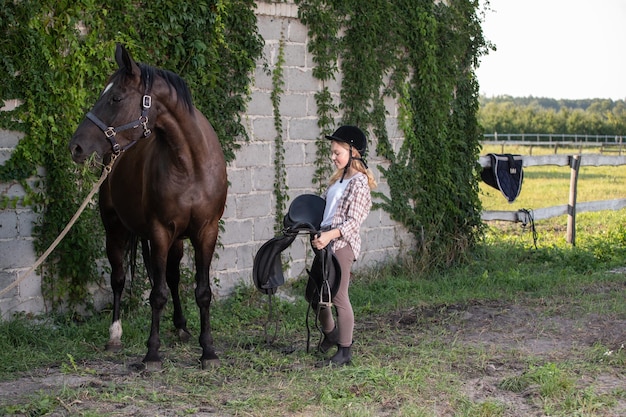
505	174
305	214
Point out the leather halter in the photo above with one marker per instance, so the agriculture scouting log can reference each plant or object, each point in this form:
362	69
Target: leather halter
110	132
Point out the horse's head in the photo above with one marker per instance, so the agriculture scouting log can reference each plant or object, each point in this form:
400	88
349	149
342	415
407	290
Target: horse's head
120	116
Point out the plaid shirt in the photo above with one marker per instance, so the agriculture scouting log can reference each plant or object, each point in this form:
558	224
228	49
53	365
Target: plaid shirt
352	209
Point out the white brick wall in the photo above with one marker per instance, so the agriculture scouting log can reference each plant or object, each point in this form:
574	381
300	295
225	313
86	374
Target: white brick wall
249	215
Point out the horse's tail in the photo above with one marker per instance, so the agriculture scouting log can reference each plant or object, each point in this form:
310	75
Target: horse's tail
145	254
131	254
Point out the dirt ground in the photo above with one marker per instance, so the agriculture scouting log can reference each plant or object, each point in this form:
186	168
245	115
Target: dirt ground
530	333
538	331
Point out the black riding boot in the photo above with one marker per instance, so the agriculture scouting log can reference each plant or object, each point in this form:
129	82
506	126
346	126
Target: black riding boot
330	339
342	357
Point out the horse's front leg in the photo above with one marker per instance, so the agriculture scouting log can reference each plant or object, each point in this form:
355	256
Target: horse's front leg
158	299
117	237
204	249
173	281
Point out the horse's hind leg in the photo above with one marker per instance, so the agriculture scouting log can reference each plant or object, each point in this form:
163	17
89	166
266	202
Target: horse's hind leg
173	280
158	297
204	249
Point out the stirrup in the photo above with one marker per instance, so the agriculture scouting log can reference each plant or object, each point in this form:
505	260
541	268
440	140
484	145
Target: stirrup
325	303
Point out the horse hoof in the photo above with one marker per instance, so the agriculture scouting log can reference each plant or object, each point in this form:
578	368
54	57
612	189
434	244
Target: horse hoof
153	366
183	335
113	347
210	363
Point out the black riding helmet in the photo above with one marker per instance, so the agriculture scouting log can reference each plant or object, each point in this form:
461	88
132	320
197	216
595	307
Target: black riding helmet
354	137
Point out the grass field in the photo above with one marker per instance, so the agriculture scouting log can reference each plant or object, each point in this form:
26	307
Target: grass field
515	331
547	186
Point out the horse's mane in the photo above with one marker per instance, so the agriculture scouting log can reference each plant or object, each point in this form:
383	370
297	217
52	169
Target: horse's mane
148	74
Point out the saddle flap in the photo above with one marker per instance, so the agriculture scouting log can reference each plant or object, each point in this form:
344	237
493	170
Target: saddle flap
267	269
324	276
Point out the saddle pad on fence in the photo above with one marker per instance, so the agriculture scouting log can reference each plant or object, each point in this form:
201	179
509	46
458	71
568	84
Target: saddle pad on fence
505	174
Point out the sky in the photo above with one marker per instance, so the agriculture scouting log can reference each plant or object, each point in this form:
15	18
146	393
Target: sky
561	49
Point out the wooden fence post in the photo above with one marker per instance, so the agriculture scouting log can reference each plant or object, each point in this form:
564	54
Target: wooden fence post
574	163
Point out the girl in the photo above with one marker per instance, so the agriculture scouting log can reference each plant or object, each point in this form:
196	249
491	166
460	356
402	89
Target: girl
348	202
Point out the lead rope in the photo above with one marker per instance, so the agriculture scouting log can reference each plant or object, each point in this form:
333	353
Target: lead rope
105	173
269	340
529	218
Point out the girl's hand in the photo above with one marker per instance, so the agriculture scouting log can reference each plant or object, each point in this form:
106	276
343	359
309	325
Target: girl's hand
322	239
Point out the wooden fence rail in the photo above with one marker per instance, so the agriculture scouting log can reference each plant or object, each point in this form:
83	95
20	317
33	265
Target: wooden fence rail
574	162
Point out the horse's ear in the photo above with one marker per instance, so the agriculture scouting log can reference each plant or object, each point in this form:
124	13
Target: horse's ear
124	60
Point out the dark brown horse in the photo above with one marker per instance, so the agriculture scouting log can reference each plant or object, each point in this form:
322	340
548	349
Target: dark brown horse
167	183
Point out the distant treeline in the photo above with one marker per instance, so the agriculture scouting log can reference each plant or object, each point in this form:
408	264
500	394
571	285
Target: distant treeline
506	114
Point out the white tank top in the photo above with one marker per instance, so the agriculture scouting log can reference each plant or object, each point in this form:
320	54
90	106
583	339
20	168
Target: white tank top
333	195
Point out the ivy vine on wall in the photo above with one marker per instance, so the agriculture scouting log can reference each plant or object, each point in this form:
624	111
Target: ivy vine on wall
280	174
55	57
424	52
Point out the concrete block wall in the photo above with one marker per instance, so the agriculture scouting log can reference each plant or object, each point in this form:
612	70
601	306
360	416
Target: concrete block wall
249	215
17	254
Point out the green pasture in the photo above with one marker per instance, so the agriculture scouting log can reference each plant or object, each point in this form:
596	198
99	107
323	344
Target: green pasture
547	186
